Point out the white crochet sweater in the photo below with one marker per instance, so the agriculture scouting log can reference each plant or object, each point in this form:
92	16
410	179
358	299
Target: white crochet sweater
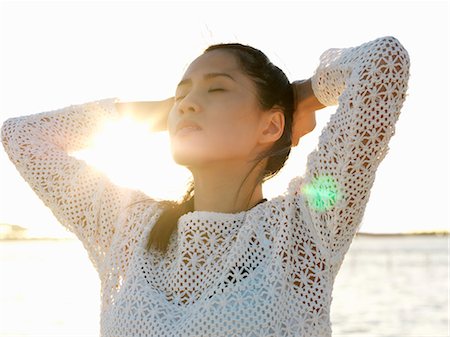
268	271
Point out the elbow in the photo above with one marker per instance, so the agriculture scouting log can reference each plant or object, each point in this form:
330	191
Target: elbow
392	61
9	139
5	133
396	52
394	64
15	136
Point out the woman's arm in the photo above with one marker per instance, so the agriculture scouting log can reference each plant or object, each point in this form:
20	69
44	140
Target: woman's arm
155	113
369	82
82	199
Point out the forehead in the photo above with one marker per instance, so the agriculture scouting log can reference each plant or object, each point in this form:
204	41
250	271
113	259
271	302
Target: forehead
214	61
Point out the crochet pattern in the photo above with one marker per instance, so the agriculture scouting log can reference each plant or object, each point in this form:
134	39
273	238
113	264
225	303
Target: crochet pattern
267	271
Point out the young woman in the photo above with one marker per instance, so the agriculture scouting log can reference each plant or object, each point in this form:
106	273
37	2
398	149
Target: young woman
225	261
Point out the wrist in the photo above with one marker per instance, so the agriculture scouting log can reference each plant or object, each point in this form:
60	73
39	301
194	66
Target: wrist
304	97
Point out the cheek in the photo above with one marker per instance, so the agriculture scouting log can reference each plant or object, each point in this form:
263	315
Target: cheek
234	134
171	120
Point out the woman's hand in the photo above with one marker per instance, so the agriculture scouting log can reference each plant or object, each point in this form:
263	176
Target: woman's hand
306	104
153	113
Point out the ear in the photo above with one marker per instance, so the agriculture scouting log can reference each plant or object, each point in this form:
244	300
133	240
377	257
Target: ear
272	125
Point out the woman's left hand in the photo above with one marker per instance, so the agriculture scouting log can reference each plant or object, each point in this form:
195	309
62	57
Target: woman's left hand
306	104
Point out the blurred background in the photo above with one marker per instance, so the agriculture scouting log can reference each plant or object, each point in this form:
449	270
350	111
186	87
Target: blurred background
394	280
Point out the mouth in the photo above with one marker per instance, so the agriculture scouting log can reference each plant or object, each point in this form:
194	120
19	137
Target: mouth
186	130
187	126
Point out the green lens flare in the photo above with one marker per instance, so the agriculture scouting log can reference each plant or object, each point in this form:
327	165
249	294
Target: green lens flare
322	193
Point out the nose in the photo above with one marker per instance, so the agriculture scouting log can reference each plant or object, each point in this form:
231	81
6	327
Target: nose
189	103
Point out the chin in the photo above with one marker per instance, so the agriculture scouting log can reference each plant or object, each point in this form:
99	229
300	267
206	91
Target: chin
198	152
184	160
188	154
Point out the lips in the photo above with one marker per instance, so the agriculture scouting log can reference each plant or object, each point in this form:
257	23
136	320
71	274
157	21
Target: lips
187	124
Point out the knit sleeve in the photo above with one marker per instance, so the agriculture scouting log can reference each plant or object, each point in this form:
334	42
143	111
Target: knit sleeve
369	84
82	198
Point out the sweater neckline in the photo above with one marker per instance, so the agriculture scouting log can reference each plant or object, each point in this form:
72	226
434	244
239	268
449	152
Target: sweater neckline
212	215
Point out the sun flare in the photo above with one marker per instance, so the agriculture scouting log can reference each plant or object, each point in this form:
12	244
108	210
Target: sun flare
130	155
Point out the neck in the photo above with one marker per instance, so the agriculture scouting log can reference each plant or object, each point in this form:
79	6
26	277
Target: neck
218	188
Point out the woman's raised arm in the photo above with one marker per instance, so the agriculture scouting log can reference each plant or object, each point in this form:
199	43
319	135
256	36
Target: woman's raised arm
82	199
369	82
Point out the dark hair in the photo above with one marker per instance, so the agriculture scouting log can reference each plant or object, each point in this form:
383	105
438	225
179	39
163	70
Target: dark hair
273	88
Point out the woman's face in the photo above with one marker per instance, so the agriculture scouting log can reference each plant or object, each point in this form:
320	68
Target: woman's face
217	96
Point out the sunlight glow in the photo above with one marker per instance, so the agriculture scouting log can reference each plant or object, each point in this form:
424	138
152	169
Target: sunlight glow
132	156
322	193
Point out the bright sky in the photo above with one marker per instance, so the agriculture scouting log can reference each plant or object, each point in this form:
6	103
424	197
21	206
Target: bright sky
55	54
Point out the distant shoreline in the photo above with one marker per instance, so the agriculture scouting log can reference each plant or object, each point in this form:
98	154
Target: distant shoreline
359	234
437	233
38	239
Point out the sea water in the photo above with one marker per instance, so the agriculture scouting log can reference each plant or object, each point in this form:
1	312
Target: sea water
387	286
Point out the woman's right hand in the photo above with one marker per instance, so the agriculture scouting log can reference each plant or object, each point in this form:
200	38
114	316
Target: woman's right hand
153	113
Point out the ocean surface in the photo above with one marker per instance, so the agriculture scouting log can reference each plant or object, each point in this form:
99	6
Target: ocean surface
387	286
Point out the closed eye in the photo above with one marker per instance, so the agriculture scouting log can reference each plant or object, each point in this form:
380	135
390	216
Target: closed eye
210	90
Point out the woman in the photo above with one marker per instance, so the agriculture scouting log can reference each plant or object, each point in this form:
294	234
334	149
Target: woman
225	261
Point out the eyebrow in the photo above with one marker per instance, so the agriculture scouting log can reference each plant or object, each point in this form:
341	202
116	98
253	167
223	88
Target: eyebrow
206	77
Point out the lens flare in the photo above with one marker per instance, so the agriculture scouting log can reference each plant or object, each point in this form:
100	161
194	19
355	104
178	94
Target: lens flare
322	193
